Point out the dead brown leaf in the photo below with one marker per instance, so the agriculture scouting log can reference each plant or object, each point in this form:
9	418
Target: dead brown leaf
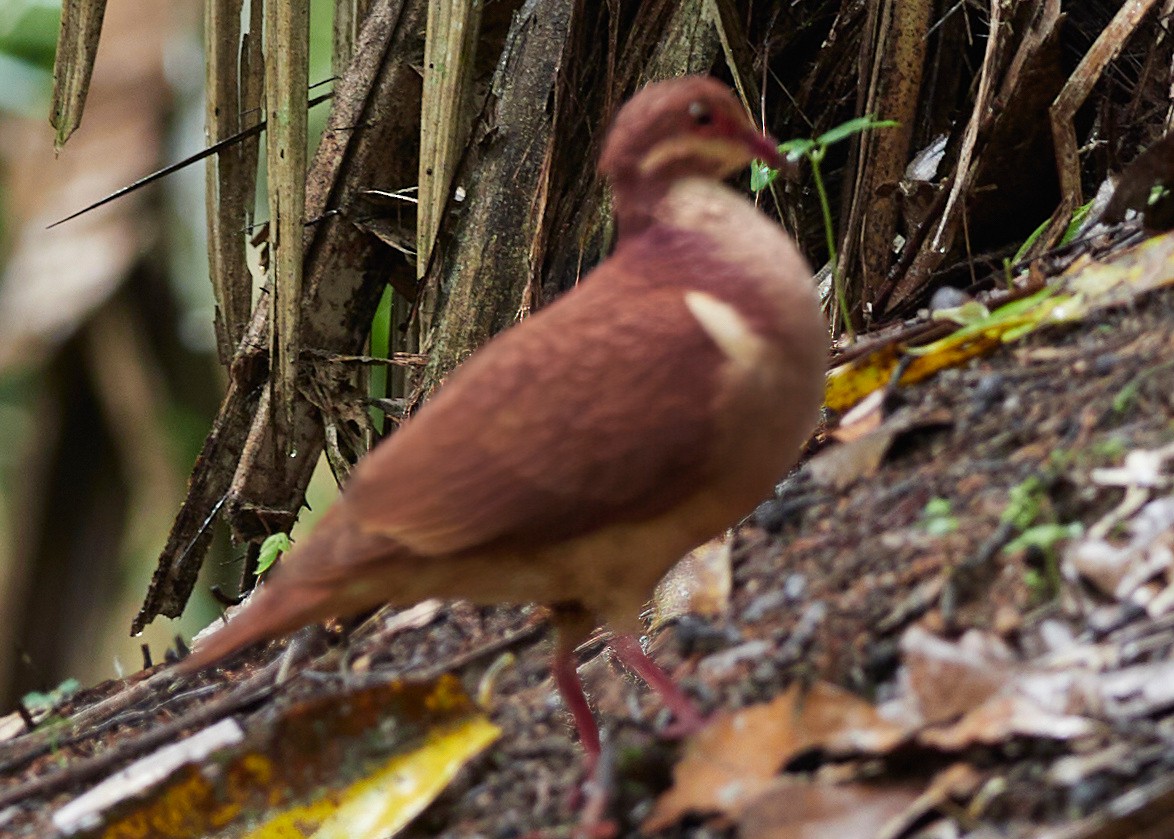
973	691
841	466
798	810
949	679
737	756
697	585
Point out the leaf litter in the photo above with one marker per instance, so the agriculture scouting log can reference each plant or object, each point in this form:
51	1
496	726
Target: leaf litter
859	700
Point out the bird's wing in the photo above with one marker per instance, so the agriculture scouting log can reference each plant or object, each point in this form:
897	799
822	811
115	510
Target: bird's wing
599	409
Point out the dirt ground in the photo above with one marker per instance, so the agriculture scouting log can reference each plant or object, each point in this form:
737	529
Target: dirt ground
827	582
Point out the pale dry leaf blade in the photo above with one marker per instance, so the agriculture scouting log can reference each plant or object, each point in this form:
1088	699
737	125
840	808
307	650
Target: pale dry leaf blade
77	46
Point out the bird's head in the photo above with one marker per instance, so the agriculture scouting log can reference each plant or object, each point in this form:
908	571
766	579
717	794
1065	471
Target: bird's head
684	127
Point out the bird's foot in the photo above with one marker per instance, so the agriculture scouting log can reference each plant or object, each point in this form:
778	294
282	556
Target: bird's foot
687	726
592	798
687	718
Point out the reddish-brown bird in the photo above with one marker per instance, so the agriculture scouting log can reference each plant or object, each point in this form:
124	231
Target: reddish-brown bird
573	459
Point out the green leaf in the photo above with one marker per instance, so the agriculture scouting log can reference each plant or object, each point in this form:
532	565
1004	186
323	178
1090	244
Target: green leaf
46	701
937	519
271	548
1012	320
1028	242
1023	506
380	348
853	126
761	176
797	148
969	313
1044	537
1078	217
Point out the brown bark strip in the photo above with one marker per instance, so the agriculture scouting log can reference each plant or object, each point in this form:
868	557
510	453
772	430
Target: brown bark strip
897	47
228	185
489	267
531	180
287	36
370	143
449	50
348	22
191	533
667	38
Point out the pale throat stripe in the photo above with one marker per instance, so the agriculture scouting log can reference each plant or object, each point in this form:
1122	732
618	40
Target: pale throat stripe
717	149
729	330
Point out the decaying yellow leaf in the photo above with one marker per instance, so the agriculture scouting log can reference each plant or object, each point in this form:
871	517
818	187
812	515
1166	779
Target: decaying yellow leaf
1087	286
357	764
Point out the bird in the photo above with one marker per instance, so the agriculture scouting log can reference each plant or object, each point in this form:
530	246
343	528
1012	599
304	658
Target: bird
578	454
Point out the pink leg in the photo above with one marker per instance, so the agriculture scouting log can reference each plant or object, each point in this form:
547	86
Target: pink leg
567	679
595	795
689	720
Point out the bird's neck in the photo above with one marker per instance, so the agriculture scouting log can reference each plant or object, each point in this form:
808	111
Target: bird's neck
635	201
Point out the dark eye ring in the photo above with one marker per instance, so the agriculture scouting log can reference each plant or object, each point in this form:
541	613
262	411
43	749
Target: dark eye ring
701	115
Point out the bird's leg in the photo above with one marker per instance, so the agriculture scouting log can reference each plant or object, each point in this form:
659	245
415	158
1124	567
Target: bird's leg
592	799
566	676
688	719
572	624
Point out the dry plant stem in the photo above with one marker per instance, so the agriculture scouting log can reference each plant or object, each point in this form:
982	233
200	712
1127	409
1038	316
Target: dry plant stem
489	263
77	46
348	21
449	49
229	177
735	43
287	32
535	211
841	295
1105	49
1005	69
252	690
369	143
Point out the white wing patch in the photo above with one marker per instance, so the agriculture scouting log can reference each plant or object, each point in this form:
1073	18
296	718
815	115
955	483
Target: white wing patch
728	329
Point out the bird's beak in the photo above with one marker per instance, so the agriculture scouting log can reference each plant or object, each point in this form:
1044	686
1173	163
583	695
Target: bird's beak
765	148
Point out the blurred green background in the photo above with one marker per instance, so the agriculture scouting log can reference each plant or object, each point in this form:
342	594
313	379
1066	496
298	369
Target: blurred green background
108	374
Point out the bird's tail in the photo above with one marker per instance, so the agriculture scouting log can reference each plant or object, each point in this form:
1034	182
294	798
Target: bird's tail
271	611
307	586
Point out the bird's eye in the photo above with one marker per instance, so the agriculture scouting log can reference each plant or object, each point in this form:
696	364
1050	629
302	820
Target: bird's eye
700	114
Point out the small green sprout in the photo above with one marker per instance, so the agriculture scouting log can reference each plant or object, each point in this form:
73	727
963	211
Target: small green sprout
937	519
814	149
1109	449
1045	537
273	546
1078	217
44	702
1025	503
